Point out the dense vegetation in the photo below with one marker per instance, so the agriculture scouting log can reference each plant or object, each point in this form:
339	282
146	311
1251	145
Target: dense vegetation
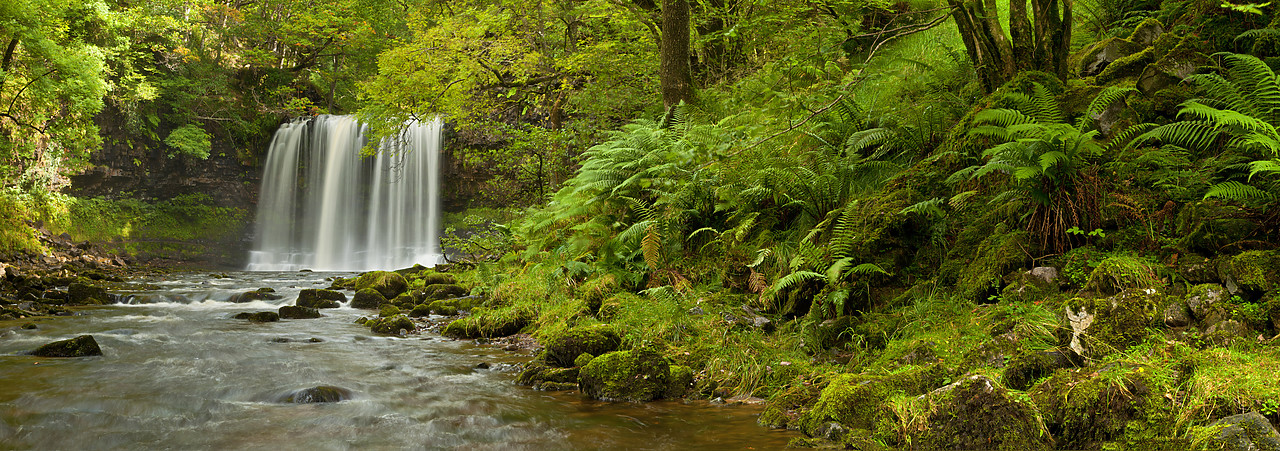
842	215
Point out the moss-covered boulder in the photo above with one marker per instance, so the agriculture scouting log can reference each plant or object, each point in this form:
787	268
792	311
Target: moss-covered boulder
1256	271
1022	371
80	293
1245	432
487	324
388	283
317	298
82	346
392	325
404	301
295	312
637	375
537	372
858	401
784	407
368	298
436	278
564	347
976	413
1113	323
1087	407
259	317
680	383
443	291
420	310
388	311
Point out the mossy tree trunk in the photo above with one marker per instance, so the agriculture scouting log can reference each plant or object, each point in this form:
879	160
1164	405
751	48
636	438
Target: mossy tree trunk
1039	42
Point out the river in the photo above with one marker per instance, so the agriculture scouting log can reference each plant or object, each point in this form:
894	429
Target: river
179	373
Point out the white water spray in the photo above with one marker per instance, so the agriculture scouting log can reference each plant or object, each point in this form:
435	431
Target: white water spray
324	207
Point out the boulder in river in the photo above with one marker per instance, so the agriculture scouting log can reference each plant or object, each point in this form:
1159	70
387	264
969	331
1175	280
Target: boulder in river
637	375
295	312
82	346
259	317
368	298
261	294
564	347
388	283
392	325
444	291
319	298
322	393
79	293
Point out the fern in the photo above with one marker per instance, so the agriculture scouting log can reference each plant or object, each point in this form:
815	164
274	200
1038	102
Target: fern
793	280
1233	190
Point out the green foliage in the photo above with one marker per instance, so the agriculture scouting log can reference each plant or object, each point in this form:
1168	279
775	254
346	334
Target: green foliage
477	239
190	141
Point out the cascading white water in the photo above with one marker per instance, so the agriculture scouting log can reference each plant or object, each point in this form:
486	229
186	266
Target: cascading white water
324	207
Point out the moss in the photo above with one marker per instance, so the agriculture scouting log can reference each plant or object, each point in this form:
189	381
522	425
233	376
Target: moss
1118	321
435	278
1084	408
564	347
437	292
1026	368
420	310
1257	271
367	298
784	407
995	255
679	383
259	317
1117	273
80	293
388	283
977	413
637	375
315	298
295	312
488	323
392	325
583	359
856	400
596	290
388	311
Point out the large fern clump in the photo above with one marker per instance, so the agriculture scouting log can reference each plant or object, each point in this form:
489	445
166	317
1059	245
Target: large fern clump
1047	161
1238	114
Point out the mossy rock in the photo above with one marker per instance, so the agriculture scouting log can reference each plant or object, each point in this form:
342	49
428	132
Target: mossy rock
1245	432
827	334
420	310
1085	408
368	298
595	291
564	347
1103	325
784	407
1023	370
1022	287
680	382
487	324
79	293
436	278
443	291
388	311
609	309
259	317
261	294
977	413
316	298
442	308
858	401
637	375
82	346
295	312
342	283
404	301
583	359
392	325
388	283
1256	271
537	372
1122	272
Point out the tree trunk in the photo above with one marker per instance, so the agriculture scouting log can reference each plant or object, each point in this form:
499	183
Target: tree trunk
1040	42
984	38
674	75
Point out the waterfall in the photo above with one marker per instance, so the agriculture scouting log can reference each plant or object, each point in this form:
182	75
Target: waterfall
325	207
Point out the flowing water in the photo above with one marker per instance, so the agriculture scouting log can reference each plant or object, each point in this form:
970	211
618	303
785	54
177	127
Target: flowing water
326	207
178	373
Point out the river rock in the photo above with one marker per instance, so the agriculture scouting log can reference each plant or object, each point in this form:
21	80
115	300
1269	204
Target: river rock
259	317
261	294
318	298
435	278
82	346
318	394
368	298
79	293
564	347
1246	432
443	291
392	325
295	312
637	375
388	283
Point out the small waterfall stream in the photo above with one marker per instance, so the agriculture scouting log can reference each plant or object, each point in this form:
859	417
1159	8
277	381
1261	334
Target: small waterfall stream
325	207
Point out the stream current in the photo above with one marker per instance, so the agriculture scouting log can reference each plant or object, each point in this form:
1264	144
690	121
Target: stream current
179	373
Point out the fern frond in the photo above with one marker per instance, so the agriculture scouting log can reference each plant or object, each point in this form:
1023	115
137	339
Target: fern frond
1189	134
869	268
1106	98
652	246
1233	190
837	269
794	280
930	208
1264	166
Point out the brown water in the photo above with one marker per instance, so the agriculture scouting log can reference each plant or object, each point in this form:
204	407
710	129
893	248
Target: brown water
178	373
